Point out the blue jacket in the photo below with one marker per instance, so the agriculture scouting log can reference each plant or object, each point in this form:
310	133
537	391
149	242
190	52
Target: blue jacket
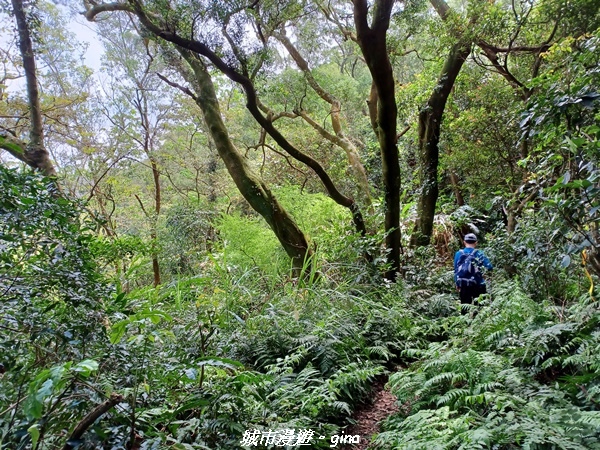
479	257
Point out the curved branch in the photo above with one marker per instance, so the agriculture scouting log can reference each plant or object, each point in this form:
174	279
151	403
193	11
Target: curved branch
283	155
303	66
90	418
503	71
339	138
252	106
331	15
93	10
183	89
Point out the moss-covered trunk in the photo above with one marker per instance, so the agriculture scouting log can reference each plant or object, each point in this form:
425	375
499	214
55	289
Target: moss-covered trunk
249	183
430	122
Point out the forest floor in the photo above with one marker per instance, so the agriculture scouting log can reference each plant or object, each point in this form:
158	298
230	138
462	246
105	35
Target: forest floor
368	418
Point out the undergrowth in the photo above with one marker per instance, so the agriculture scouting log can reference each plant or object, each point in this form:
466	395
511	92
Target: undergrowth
518	375
201	359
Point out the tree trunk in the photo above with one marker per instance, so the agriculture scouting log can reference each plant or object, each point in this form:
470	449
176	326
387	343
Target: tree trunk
460	201
33	153
373	45
157	205
251	97
430	121
189	47
249	184
339	138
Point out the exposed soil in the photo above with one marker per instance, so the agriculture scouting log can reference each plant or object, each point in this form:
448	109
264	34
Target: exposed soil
368	418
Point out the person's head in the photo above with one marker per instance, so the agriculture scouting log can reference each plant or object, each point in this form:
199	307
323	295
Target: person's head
470	240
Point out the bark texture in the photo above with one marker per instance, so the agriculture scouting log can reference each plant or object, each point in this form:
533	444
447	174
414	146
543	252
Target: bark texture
373	45
249	184
430	121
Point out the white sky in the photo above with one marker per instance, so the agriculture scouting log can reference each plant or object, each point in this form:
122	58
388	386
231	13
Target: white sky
86	32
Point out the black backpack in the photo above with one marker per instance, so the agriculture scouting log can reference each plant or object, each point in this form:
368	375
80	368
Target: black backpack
467	269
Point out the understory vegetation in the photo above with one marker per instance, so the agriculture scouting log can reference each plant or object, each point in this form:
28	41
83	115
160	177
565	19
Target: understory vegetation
205	357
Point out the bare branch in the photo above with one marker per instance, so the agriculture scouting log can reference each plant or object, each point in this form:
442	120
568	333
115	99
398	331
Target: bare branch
94	9
283	155
517	49
502	70
142	205
90	418
183	89
402	133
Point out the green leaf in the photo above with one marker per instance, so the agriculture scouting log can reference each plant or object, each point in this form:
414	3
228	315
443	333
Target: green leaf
118	330
34	432
180	446
155	316
193	403
86	367
46	390
33	408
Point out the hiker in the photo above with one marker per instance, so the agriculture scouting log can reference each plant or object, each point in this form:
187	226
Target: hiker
468	266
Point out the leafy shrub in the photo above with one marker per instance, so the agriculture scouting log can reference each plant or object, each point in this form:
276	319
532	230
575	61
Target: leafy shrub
247	243
51	310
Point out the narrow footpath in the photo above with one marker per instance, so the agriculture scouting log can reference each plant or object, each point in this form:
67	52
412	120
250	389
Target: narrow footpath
368	418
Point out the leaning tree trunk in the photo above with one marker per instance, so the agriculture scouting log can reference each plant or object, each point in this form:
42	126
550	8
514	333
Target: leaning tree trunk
339	138
430	121
253	189
252	103
34	152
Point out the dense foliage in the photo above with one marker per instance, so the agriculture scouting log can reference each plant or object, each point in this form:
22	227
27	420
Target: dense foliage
206	357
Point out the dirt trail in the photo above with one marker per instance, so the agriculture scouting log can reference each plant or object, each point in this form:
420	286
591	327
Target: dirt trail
368	418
